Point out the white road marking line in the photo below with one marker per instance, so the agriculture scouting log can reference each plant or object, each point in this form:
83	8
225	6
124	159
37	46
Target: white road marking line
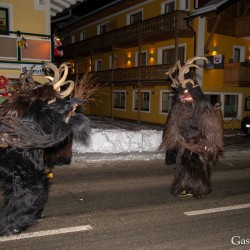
216	210
46	233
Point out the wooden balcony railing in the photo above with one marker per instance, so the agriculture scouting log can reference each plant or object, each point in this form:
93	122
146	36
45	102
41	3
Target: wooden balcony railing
242	26
151	30
134	75
237	75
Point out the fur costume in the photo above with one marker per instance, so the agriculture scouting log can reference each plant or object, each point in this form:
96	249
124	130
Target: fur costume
37	127
192	135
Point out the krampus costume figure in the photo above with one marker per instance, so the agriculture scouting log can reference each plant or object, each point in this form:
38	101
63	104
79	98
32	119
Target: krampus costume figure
36	130
192	135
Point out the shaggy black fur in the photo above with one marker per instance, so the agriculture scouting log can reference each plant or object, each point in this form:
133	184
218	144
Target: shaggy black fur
192	138
25	190
22	168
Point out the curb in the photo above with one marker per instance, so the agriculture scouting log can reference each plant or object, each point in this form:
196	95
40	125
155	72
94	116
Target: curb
80	158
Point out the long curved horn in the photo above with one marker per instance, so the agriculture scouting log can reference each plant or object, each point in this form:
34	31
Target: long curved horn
59	79
175	83
63	69
69	89
181	77
191	60
52	67
23	77
31	70
26	79
185	69
51	78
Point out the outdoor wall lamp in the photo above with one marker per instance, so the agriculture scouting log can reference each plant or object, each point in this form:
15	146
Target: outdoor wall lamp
215	49
151	56
129	54
22	42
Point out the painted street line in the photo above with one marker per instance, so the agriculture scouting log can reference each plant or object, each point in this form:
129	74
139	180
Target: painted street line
46	233
216	210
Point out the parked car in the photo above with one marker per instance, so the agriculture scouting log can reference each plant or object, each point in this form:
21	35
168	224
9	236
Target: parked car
245	125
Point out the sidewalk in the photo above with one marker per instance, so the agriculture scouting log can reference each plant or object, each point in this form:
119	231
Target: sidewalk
108	123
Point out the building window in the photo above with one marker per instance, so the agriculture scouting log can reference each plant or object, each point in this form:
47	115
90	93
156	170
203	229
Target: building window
236	55
184	5
119	98
239	53
166	100
145	100
4	20
98	65
231	103
213	98
143	59
167	6
102	28
135	17
82	36
168	55
231	106
247	103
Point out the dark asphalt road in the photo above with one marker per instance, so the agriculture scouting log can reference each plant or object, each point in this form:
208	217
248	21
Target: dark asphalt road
128	206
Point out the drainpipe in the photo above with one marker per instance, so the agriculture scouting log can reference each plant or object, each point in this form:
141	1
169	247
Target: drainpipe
112	81
191	28
194	32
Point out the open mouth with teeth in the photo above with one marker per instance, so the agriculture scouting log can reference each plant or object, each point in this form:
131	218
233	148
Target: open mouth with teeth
186	97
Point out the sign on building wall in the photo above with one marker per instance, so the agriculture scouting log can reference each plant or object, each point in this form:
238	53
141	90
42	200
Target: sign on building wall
215	62
37	70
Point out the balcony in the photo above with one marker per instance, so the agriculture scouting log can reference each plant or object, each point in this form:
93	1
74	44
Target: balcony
21	47
155	29
237	75
150	75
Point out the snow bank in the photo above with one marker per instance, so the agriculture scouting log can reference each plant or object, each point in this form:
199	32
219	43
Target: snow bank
120	141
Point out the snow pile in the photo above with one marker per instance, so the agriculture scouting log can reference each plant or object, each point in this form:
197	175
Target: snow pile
120	141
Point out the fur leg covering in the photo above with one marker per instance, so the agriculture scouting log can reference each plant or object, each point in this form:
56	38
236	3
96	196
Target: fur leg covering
192	176
26	191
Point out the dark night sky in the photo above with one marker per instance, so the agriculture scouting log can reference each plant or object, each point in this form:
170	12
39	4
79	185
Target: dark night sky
90	6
